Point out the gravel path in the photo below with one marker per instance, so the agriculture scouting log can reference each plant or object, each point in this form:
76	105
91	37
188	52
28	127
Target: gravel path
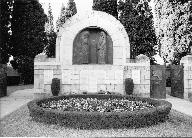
19	124
11	89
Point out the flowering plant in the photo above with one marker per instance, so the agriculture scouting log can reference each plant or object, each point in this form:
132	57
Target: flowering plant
96	105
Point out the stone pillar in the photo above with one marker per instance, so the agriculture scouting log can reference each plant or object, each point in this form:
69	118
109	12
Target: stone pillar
57	49
187	62
39	73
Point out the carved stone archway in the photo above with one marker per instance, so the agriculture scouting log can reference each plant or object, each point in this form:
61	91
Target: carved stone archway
97	19
97	70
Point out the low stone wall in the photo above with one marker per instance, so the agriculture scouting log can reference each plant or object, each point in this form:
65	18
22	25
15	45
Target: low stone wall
92	78
140	73
79	78
44	72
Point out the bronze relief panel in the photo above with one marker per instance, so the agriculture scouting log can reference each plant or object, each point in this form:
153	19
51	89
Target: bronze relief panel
92	46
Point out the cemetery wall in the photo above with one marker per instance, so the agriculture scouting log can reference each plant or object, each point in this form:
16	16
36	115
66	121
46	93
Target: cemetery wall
93	78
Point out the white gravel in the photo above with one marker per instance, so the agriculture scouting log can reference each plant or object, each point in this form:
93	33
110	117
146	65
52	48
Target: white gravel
19	124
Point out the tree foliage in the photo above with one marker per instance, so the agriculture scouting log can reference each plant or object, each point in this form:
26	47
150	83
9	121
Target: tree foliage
28	36
28	32
51	34
108	6
71	9
49	27
66	13
51	44
173	28
62	18
25	66
5	21
136	16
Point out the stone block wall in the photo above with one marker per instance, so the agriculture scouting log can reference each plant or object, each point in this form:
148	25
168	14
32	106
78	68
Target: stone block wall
79	78
92	78
44	72
140	73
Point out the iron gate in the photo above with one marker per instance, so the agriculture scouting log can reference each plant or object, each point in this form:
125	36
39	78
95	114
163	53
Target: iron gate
177	81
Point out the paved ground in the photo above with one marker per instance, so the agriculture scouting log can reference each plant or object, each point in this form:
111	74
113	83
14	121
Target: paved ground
180	105
20	97
15	100
11	89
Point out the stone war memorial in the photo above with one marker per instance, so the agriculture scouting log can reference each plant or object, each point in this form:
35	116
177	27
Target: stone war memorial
92	54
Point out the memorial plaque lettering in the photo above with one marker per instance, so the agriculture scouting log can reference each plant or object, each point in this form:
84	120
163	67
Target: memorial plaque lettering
136	76
48	76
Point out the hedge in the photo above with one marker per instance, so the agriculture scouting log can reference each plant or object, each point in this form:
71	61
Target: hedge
97	120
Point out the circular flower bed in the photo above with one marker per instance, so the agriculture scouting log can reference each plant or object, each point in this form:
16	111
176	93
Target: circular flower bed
99	111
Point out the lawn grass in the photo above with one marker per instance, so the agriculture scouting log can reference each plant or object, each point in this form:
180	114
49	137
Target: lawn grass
19	124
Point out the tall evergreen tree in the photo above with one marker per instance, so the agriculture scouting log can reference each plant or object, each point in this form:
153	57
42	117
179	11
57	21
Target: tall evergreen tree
66	13
71	9
5	24
108	6
51	35
28	36
136	16
62	18
49	27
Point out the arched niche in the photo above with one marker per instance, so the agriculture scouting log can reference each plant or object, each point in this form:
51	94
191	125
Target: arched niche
92	45
97	20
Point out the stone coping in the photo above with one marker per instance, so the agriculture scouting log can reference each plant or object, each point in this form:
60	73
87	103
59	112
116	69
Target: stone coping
47	63
58	63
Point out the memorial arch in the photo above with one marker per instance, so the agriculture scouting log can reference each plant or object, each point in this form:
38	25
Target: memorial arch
94	26
91	55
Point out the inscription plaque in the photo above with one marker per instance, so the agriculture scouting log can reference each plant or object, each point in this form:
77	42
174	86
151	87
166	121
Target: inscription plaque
136	76
48	76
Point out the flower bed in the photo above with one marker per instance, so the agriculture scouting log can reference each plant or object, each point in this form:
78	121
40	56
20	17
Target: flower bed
99	111
96	105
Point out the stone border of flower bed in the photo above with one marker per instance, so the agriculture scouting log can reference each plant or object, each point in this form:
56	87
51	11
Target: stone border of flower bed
100	120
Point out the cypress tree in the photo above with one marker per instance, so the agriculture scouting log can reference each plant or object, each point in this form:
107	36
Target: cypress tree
62	18
28	36
108	6
136	16
5	27
51	34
